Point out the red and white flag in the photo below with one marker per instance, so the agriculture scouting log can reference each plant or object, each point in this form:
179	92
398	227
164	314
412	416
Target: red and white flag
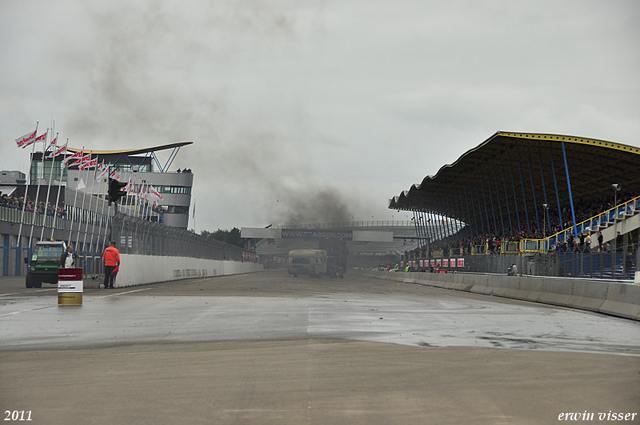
74	156
26	140
155	193
89	164
104	173
81	161
42	137
53	142
131	186
57	152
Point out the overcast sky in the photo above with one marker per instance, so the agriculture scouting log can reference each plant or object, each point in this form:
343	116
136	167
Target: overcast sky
314	110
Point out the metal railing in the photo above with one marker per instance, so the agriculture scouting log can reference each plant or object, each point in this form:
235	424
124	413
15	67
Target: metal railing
347	224
142	237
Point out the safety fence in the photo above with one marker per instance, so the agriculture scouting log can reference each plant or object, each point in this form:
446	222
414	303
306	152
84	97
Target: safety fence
141	237
620	265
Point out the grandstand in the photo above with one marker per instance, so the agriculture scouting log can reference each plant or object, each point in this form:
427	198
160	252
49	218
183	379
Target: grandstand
534	194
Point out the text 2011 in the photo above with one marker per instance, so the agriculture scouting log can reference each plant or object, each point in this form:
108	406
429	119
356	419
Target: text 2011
17	415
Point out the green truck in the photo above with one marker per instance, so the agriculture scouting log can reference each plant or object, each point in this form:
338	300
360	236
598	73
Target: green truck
45	261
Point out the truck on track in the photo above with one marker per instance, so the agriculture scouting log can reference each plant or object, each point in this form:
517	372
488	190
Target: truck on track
330	260
45	261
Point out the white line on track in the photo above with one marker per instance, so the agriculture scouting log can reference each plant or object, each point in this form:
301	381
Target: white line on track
30	292
50	306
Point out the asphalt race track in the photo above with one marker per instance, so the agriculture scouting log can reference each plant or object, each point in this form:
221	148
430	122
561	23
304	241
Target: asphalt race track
267	348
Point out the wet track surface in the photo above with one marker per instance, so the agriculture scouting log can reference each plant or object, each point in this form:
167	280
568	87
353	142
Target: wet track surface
272	305
267	348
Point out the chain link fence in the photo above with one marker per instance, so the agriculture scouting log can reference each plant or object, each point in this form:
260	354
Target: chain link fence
620	265
142	237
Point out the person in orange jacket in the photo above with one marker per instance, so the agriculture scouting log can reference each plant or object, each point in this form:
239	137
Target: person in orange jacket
111	258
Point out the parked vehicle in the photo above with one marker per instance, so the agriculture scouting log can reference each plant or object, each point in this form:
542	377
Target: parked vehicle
45	261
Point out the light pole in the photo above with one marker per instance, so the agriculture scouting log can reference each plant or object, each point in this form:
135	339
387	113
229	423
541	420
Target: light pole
616	188
545	208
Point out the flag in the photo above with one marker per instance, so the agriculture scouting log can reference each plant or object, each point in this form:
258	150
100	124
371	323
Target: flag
155	193
89	164
26	140
82	160
130	186
104	173
53	142
42	137
81	185
75	155
57	152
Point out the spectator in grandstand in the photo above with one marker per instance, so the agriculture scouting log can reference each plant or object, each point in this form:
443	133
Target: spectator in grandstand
600	239
587	244
619	242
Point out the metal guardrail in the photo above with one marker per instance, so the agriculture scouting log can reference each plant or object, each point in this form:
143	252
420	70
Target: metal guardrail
12	215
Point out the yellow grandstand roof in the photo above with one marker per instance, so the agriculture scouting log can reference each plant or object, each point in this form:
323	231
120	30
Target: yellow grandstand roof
133	151
521	170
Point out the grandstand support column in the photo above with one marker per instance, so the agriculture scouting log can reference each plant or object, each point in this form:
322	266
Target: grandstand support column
515	200
524	198
566	169
450	215
427	230
451	206
493	210
443	218
416	226
431	229
499	205
555	182
533	193
506	197
486	208
544	191
462	216
425	227
480	210
475	224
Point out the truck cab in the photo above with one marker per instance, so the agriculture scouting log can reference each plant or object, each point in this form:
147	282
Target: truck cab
312	262
44	264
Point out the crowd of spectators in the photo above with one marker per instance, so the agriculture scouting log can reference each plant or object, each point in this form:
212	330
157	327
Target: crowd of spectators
41	208
584	210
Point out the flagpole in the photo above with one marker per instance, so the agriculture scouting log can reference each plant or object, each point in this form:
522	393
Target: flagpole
75	198
35	206
84	196
24	203
93	228
62	167
46	208
86	227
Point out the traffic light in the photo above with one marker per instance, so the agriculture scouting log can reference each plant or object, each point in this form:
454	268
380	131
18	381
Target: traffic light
115	191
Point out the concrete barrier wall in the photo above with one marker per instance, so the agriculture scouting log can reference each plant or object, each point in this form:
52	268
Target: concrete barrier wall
143	269
614	298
